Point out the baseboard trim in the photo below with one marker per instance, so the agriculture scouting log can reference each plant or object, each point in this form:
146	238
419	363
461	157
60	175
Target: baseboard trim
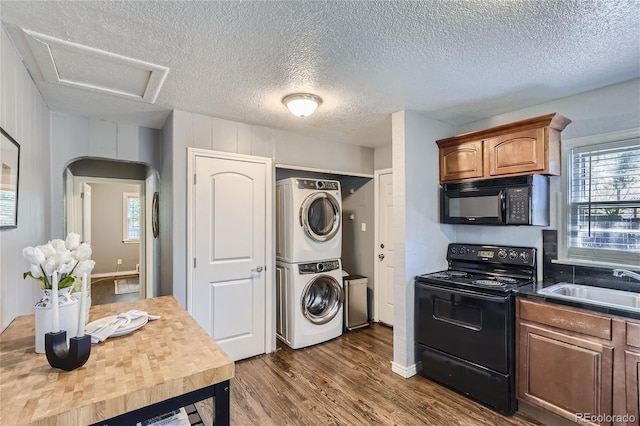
403	371
113	274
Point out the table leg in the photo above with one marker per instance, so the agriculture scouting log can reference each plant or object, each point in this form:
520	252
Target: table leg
221	404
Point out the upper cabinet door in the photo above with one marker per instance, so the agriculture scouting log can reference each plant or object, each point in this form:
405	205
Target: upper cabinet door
522	147
519	152
462	161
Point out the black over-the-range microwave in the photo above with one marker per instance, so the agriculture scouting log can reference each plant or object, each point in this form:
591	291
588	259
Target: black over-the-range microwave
517	200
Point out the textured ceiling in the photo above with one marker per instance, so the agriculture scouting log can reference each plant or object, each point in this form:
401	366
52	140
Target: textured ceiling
453	60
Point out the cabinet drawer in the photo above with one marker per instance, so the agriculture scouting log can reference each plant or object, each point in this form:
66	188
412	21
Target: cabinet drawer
566	319
633	334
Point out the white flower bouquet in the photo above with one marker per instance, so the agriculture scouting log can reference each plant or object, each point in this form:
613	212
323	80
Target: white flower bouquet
69	258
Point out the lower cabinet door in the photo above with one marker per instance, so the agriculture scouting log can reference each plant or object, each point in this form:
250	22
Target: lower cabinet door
568	375
632	376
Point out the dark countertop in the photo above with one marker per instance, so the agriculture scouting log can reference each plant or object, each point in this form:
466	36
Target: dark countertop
530	292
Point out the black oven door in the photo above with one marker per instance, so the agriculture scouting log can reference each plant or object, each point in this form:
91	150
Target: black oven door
474	327
486	206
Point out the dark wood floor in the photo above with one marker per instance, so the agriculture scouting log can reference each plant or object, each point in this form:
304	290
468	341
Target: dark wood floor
346	381
103	291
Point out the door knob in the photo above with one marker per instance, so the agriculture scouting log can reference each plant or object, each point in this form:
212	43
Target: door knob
381	256
258	269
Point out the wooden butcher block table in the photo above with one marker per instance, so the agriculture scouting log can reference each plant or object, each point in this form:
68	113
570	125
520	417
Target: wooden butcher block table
166	364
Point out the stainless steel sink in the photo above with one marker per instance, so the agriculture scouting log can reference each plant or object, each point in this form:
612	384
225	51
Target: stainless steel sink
626	300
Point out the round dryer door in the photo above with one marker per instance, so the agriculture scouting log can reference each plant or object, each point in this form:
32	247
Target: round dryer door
320	216
321	299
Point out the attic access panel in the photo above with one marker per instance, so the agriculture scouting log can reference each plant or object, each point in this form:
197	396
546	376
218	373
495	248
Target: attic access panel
75	65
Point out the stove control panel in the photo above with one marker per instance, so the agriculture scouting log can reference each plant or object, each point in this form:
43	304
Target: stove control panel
492	254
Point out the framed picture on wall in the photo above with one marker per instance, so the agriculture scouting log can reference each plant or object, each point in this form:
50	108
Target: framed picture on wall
10	161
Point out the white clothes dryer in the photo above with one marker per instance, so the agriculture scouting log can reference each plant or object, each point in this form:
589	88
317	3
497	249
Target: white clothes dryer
309	299
308	220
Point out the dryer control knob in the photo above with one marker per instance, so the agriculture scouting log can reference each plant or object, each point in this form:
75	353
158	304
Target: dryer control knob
320	267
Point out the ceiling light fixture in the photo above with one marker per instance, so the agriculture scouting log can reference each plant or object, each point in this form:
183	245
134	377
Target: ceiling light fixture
302	104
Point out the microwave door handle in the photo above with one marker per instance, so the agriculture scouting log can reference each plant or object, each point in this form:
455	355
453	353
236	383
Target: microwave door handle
503	206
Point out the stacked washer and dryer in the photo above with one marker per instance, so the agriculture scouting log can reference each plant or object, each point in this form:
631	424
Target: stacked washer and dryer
309	292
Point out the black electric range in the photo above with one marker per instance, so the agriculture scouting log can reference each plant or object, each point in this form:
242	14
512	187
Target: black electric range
465	321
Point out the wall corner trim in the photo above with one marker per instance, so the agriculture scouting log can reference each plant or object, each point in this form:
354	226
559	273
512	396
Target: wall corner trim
401	370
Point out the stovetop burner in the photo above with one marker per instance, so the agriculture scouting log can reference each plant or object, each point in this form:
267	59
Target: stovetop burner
506	279
449	274
492	268
495	283
475	280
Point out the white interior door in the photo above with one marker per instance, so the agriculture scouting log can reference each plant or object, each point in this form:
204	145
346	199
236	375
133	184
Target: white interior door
86	212
384	247
229	248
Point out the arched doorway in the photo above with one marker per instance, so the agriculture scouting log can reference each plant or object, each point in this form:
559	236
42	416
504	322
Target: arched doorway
109	203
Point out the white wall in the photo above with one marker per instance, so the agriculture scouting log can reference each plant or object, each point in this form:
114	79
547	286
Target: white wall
419	237
605	110
185	129
77	137
25	116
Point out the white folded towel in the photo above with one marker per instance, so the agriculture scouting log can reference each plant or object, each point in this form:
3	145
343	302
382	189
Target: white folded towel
103	332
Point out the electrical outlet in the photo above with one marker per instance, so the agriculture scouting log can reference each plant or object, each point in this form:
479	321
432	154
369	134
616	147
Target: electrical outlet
119	261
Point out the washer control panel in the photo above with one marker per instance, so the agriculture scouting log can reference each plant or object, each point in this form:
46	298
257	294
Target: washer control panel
327	185
318	267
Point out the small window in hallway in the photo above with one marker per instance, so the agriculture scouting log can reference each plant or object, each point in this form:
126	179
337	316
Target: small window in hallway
130	217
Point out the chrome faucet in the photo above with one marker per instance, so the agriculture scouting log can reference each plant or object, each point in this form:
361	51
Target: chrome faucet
624	273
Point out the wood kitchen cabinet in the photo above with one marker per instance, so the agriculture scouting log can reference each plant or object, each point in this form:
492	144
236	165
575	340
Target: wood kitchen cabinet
572	361
523	147
461	161
632	373
565	360
517	153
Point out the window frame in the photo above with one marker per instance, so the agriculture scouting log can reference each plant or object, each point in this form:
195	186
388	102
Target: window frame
579	255
125	217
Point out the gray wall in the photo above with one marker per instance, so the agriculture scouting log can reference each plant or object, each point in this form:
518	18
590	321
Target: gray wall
605	110
382	157
358	246
185	129
25	116
82	138
106	229
419	237
109	169
421	240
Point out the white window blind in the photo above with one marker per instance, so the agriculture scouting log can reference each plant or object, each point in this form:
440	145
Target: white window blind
604	201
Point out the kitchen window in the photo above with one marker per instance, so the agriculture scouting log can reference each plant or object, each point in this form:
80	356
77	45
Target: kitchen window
130	217
603	215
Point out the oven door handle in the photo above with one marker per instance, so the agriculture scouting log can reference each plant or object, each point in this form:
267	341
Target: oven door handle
498	299
457	323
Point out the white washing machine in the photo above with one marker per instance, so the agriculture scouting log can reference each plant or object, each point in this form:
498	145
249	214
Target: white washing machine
308	220
309	300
